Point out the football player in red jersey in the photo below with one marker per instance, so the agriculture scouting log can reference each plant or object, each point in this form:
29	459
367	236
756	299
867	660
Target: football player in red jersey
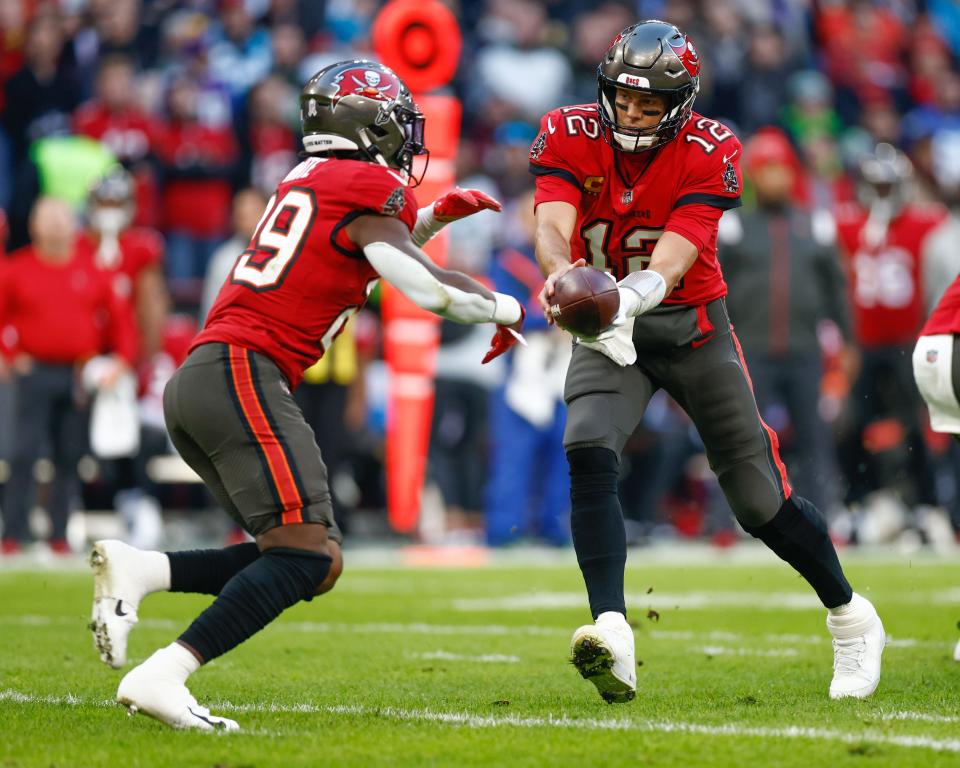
882	238
636	184
343	218
132	256
936	368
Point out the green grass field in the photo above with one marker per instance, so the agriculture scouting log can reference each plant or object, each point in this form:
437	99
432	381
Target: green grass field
463	667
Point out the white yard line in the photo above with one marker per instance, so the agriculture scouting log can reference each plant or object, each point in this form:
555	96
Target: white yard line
486	658
926	717
469	720
723	650
547	601
643	631
691	600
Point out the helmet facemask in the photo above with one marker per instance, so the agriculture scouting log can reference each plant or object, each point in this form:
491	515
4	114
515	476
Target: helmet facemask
410	124
679	106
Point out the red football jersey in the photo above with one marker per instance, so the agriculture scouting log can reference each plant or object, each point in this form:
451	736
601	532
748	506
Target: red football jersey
945	317
886	291
301	277
137	249
627	201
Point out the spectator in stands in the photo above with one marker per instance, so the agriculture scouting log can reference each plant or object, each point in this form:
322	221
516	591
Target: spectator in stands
197	161
270	143
241	54
114	117
126	28
517	31
41	95
784	277
591	33
56	311
863	44
769	67
289	47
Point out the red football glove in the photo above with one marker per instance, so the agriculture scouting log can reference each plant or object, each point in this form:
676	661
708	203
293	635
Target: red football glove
505	337
459	203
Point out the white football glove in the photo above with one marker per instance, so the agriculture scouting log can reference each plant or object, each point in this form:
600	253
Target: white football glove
639	292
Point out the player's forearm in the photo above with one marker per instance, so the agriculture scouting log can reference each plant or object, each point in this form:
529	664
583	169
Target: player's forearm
672	258
452	295
552	249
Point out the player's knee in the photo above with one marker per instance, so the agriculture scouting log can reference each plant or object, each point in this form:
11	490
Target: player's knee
593	469
336	568
754	499
299	572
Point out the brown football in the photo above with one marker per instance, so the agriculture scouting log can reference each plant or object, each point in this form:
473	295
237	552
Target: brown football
585	301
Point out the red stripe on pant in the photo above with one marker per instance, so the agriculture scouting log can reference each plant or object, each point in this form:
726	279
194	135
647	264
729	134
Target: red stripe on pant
280	473
774	440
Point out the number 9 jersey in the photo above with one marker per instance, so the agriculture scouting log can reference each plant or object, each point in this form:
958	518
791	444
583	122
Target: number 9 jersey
300	278
626	201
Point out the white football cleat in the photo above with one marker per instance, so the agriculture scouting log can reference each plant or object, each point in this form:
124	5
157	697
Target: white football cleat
858	640
122	576
153	691
603	654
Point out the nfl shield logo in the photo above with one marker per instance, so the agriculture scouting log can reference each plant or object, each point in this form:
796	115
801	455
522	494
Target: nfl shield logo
627	197
932	355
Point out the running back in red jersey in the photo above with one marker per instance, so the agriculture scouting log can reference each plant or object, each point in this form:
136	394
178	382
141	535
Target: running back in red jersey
625	202
300	278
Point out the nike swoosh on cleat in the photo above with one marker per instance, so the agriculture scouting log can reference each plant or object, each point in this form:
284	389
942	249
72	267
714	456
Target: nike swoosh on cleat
118	610
207	720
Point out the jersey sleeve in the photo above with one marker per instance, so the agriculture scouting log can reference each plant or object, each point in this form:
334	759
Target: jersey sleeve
375	189
711	186
551	155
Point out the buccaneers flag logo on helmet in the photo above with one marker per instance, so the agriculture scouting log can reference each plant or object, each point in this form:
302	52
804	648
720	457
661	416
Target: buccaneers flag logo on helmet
369	83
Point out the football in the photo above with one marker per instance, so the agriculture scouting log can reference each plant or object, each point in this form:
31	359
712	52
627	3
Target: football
585	301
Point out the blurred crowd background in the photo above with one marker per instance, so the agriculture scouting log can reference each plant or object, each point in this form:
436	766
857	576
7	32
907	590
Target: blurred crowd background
849	111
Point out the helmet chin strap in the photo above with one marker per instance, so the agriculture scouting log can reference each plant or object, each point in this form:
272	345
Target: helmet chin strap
630	143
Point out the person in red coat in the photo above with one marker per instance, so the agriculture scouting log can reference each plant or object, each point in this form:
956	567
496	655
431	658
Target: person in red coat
56	311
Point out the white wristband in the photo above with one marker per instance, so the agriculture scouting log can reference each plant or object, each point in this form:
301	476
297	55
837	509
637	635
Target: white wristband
426	227
506	309
644	291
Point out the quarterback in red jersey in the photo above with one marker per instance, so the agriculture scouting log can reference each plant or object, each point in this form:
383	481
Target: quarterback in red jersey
339	221
882	239
636	184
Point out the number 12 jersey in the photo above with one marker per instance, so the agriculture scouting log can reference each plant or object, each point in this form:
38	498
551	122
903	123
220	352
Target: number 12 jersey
300	278
626	201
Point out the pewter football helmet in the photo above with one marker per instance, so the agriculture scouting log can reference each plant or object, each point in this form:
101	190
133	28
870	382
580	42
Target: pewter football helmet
361	106
651	56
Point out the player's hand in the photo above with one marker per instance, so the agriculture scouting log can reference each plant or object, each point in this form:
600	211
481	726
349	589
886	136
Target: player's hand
546	293
619	320
460	203
505	337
